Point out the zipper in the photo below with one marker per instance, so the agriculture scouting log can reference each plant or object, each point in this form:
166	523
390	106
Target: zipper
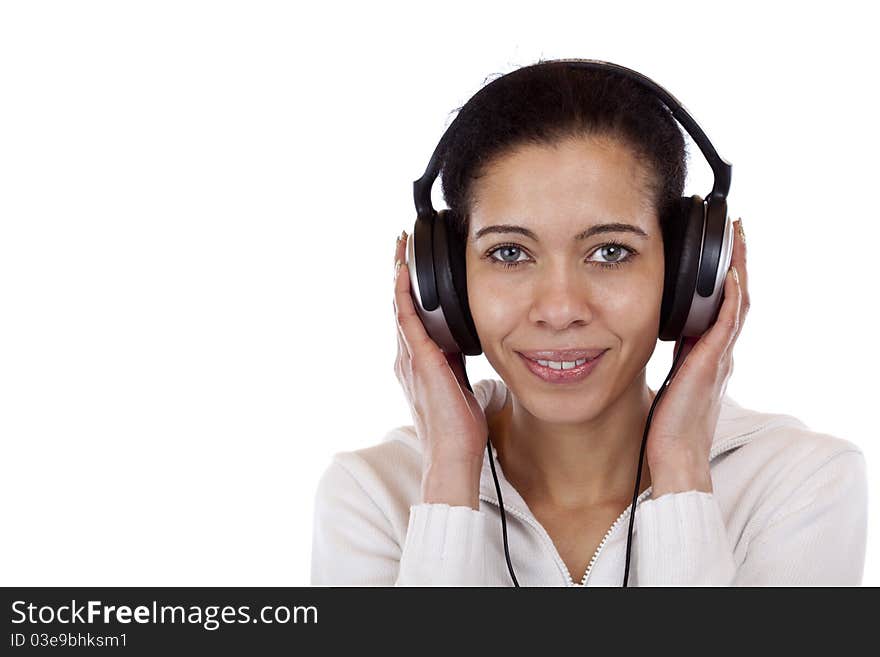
623	515
721	448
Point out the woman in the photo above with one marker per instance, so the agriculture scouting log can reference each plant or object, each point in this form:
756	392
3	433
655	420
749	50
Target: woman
730	496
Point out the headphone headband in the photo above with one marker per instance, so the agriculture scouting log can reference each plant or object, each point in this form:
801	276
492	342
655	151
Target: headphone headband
721	169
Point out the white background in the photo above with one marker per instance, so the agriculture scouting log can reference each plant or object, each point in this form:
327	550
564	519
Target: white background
198	207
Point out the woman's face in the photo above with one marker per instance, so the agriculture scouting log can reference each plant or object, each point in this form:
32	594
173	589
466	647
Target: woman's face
565	292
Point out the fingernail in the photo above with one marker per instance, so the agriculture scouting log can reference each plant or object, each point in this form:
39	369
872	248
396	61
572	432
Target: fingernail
739	228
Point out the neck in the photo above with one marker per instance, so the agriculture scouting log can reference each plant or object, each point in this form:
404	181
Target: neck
575	466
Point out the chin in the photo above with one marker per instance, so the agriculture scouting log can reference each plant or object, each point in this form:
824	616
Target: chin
570	407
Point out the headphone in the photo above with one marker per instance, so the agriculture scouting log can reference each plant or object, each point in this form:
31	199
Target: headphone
697	251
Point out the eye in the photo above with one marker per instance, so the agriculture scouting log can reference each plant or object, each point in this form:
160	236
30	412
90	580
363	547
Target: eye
506	251
613	251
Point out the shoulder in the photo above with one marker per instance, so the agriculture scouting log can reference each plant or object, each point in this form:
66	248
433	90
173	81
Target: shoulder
383	479
774	463
783	436
805	464
775	437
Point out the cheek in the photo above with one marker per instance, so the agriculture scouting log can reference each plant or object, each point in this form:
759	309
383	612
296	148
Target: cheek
495	306
629	304
498	313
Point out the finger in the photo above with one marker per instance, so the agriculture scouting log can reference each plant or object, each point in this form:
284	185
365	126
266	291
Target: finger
402	349
400	254
724	329
733	312
400	248
739	263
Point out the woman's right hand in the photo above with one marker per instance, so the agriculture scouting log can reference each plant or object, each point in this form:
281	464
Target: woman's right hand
448	418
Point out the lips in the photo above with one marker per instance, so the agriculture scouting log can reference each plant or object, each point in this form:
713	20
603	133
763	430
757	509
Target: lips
564	376
562	354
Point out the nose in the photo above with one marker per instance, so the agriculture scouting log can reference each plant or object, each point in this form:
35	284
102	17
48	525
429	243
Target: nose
561	299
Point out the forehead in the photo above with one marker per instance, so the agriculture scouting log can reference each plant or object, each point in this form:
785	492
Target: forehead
563	187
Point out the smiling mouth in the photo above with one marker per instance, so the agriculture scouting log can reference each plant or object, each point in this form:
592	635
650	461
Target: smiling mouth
562	358
561	371
561	365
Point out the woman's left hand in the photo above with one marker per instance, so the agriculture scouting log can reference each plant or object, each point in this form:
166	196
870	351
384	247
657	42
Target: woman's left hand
685	418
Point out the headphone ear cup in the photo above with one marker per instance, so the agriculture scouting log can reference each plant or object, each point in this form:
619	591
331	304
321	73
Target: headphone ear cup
451	272
683	238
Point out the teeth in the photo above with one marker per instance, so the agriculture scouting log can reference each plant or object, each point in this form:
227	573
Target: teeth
562	365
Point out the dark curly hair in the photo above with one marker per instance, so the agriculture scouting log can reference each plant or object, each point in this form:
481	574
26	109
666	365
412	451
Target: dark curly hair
547	102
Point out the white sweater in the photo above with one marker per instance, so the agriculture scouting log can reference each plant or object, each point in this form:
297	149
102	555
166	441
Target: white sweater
789	507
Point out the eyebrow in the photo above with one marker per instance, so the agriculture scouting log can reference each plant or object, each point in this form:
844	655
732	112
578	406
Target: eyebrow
589	232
